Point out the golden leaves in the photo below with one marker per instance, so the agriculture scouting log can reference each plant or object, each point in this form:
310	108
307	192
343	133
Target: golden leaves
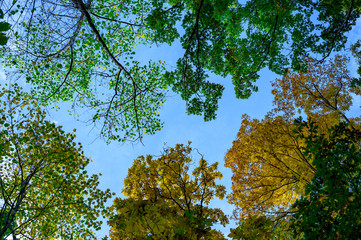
269	169
172	196
323	89
266	165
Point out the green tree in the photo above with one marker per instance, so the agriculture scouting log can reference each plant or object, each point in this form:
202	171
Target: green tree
262	228
331	205
78	51
45	191
165	201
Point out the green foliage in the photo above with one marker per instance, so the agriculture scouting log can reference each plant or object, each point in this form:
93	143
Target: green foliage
262	227
165	202
70	52
356	52
83	51
45	190
331	205
4	26
10	227
253	228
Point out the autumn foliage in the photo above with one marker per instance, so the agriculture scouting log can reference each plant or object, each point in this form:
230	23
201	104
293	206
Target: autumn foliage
269	169
164	201
86	52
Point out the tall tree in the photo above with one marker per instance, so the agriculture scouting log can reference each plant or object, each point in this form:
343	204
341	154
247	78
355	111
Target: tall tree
269	169
82	51
331	205
165	201
45	191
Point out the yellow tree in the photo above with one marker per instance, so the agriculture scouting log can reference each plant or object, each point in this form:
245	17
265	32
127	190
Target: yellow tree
165	201
45	191
269	170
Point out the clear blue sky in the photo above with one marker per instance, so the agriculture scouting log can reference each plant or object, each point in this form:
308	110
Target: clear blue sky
212	139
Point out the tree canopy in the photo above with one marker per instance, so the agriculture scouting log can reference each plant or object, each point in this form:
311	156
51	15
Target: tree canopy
45	191
86	53
83	52
165	202
331	203
269	168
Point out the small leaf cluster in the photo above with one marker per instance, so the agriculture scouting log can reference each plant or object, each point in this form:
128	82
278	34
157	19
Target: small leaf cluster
4	26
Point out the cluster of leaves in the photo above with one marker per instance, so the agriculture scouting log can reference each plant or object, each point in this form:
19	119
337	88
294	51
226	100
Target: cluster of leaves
331	205
356	52
4	26
262	228
45	190
78	51
253	228
165	202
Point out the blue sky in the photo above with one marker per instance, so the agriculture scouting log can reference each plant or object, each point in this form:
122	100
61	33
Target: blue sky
212	139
